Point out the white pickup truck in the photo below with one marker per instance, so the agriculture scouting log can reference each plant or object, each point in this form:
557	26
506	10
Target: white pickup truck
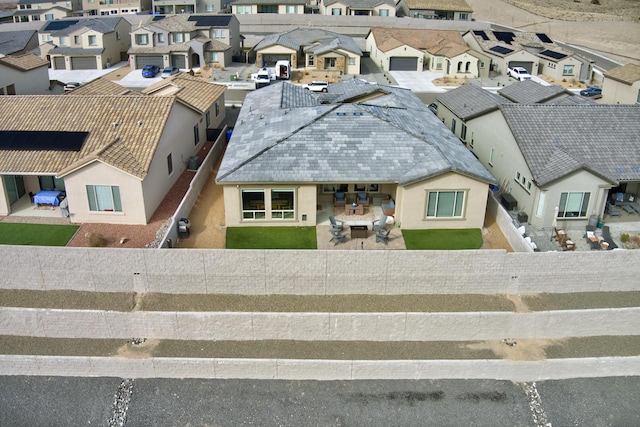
518	73
264	77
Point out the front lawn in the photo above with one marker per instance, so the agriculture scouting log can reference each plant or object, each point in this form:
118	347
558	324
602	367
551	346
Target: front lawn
271	238
36	234
425	240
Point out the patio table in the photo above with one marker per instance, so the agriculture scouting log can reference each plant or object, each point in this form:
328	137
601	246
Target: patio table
47	197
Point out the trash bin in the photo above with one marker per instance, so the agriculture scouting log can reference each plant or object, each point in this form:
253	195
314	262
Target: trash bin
184	227
229	133
523	217
593	221
193	163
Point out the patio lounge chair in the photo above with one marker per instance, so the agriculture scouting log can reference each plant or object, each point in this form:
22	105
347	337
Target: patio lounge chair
336	224
338	237
339	198
382	236
363	198
380	223
592	240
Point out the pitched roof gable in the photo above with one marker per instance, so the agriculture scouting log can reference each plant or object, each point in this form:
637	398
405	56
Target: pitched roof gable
530	92
557	140
122	131
100	86
470	100
309	38
191	91
388	137
628	74
24	62
437	42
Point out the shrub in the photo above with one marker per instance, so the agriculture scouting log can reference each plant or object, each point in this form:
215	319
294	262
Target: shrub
624	238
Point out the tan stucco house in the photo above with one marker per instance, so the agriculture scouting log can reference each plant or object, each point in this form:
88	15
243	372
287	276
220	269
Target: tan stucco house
24	75
621	85
358	7
312	49
115	157
292	150
185	41
84	43
457	10
282	7
44	10
442	51
568	153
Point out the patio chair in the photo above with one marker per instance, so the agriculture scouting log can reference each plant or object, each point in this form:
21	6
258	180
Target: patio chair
338	237
590	236
336	224
339	198
613	210
382	236
362	198
380	223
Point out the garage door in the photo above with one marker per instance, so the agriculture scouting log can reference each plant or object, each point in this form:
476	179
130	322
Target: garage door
403	64
58	63
527	65
179	61
270	60
84	63
142	60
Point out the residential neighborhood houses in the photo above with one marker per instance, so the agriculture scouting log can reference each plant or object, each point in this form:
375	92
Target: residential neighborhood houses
191	41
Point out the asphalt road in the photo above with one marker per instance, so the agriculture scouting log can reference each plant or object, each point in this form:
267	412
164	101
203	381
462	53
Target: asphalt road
63	401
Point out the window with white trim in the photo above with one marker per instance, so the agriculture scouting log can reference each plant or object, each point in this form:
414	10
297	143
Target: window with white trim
567	70
573	205
336	11
208	117
282	206
93	40
178	37
540	206
291	9
240	10
196	134
218	34
104	198
445	204
311	61
384	12
217	106
142	39
329	62
253	204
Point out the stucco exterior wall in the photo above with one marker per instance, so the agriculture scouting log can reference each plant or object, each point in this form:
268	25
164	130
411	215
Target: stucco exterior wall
461	61
411	203
32	82
556	69
305	200
98	173
615	92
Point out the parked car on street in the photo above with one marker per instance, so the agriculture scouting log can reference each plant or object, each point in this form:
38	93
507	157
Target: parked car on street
518	73
150	71
169	71
592	92
71	86
317	86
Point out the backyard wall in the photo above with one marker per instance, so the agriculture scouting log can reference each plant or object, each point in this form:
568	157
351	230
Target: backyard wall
261	272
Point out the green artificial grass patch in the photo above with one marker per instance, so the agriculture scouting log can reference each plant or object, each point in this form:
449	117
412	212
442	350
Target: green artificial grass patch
420	240
36	234
271	238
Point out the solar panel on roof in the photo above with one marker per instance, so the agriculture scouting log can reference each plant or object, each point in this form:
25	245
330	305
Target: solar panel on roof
501	50
42	140
544	38
60	25
211	20
504	36
481	34
552	54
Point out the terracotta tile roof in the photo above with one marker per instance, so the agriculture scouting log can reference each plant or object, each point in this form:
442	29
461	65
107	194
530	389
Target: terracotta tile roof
122	131
629	73
101	86
447	43
24	62
449	5
192	91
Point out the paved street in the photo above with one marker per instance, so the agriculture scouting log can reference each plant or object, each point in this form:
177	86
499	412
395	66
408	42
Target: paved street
64	401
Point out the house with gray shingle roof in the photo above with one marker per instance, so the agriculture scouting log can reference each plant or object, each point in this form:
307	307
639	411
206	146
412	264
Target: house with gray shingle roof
291	150
440	51
621	85
43	10
84	43
358	7
240	7
24	75
114	156
312	49
185	41
564	154
457	10
18	42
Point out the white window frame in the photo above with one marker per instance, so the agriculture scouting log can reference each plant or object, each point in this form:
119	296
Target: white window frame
570	198
568	70
142	39
283	214
104	198
457	194
253	214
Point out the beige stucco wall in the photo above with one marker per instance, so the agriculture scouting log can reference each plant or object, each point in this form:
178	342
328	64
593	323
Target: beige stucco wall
277	50
98	173
326	10
282	9
305	200
411	203
615	92
463	60
547	68
32	82
382	59
391	9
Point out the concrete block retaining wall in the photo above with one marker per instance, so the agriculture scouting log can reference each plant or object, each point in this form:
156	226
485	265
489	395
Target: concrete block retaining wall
324	370
263	272
238	326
